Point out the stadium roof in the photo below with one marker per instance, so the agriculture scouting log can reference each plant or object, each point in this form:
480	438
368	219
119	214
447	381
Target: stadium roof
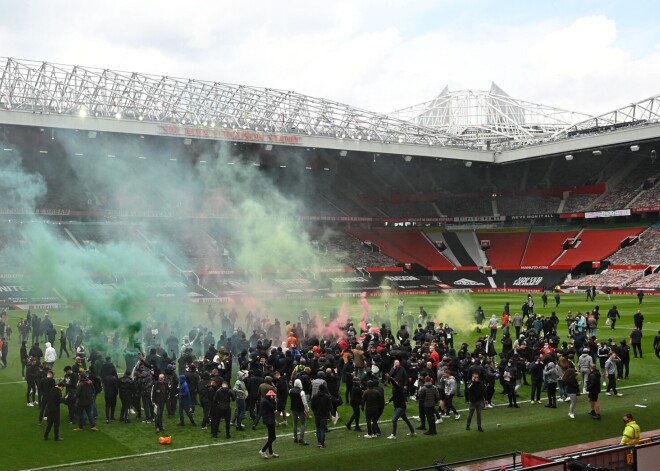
488	117
468	125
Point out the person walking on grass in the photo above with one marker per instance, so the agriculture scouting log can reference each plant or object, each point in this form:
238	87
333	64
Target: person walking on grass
322	408
611	371
53	401
429	397
185	402
593	390
399	400
267	413
572	389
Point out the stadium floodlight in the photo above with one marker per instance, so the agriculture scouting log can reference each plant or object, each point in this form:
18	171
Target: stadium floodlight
597	152
187	141
82	113
118	115
634	148
407	158
468	163
269	147
343	153
569	157
140	118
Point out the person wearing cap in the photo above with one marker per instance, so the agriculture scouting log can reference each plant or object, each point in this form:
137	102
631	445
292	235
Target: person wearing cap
267	412
53	401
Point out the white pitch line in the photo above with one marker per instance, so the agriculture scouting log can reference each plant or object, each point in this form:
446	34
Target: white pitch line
247	440
13	382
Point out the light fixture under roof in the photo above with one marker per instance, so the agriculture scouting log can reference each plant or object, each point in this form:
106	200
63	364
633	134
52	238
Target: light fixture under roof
269	147
634	148
569	157
343	153
597	152
468	163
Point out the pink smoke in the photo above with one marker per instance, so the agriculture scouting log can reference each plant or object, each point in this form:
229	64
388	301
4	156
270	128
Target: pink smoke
365	311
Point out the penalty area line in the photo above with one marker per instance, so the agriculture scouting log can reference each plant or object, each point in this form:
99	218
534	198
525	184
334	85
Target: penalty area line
209	445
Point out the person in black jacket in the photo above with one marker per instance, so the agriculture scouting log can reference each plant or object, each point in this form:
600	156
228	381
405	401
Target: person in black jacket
372	400
322	408
221	409
84	400
160	393
475	394
536	370
110	393
355	402
53	401
45	385
267	413
31	376
126	389
399	400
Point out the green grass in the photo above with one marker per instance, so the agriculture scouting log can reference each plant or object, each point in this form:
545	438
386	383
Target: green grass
530	428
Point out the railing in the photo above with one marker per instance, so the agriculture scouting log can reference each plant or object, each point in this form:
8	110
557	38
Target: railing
440	466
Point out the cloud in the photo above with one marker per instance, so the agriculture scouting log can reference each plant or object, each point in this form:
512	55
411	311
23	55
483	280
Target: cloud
365	54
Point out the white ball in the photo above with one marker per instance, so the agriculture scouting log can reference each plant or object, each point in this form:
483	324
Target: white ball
499	425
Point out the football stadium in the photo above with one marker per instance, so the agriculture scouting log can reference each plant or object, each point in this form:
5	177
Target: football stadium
167	235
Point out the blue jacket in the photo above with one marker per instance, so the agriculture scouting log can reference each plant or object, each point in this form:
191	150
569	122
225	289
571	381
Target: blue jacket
184	392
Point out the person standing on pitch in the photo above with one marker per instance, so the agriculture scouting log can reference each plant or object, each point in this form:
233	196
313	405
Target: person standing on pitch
267	413
475	395
53	401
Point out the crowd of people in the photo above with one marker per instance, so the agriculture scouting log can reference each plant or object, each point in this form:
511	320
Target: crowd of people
294	371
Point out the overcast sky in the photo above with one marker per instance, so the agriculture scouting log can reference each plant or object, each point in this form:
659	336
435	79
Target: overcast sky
590	56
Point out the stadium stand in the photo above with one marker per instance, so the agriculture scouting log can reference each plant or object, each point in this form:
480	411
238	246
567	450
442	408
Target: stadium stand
468	206
506	248
405	246
645	252
648	282
521	205
595	245
544	247
607	279
346	250
458	249
578	203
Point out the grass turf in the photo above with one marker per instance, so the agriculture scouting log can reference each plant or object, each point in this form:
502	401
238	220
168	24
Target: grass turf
531	428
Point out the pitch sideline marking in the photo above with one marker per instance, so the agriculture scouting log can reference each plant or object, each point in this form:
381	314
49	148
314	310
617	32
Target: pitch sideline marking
208	445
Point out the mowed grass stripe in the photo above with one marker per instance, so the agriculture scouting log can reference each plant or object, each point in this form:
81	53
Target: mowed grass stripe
21	432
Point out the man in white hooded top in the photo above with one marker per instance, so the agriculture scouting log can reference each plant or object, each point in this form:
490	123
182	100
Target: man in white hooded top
50	355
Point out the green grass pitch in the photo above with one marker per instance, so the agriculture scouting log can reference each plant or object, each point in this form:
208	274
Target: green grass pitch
530	428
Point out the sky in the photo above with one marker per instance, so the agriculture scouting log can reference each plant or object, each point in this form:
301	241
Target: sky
582	55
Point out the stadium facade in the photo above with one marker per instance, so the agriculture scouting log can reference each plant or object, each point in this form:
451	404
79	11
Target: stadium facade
473	190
